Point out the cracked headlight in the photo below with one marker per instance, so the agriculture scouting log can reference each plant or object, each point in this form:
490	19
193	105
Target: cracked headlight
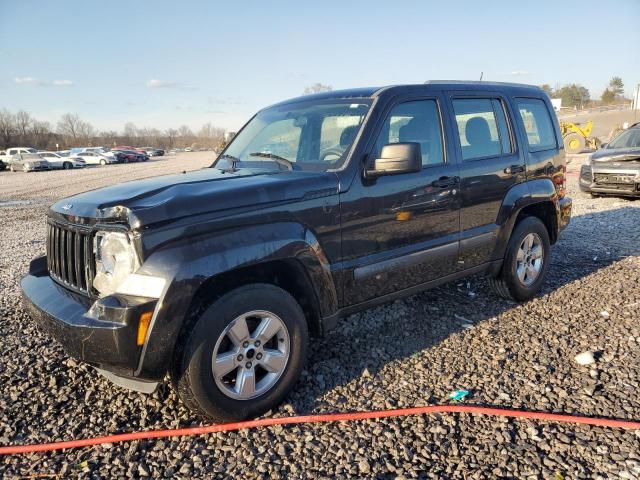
116	259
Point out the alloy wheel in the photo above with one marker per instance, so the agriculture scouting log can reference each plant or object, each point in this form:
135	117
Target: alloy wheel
530	259
250	355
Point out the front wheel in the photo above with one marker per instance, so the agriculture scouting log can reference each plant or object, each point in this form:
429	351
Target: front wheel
67	165
103	162
243	355
526	261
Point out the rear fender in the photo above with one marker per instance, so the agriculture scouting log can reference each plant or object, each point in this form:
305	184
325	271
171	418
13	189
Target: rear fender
517	198
195	261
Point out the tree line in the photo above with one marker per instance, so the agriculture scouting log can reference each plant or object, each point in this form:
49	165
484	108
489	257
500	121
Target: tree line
576	95
22	129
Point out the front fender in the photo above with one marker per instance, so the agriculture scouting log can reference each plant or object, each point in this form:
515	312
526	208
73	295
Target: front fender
187	264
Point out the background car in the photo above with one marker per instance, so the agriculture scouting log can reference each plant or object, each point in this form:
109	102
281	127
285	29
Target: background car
28	162
127	156
153	152
57	161
93	158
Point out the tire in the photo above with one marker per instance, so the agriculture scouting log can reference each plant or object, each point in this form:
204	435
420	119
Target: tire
573	142
507	283
67	166
103	162
221	399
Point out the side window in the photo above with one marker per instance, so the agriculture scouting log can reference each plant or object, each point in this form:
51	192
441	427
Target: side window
537	124
478	129
503	127
419	122
13	151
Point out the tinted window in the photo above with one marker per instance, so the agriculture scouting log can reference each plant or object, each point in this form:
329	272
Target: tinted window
503	127
477	128
415	122
537	124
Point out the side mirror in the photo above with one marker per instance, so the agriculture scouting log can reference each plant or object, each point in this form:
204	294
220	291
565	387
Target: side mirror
396	158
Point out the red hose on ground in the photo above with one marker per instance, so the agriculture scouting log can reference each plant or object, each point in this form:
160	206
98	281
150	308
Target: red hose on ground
331	417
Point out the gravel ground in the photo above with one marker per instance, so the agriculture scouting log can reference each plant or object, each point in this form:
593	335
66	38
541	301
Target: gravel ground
412	352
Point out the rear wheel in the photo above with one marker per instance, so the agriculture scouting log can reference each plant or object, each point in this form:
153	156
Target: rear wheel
67	165
573	142
103	162
243	355
526	261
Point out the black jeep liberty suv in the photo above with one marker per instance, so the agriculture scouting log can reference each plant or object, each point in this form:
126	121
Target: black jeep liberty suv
321	206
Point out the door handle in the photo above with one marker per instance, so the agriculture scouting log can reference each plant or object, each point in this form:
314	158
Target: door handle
514	169
445	182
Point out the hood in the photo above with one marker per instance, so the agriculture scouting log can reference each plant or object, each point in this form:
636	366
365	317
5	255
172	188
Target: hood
162	199
616	155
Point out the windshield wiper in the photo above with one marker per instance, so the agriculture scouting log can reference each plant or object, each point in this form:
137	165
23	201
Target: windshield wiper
276	158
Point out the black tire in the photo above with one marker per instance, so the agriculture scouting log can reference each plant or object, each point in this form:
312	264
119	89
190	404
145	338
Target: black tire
573	142
506	283
192	374
67	165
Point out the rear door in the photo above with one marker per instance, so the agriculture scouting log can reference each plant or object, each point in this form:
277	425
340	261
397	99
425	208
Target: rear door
490	164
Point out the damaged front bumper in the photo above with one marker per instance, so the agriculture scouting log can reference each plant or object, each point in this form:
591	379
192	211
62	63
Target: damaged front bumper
612	179
101	332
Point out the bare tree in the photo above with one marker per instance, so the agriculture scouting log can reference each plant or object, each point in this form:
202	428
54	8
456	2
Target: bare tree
23	122
40	134
69	125
7	127
130	132
171	133
317	88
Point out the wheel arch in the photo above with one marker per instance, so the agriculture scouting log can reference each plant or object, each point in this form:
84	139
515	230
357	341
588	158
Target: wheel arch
289	257
531	198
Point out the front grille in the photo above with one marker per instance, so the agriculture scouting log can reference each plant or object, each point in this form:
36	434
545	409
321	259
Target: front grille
70	255
612	178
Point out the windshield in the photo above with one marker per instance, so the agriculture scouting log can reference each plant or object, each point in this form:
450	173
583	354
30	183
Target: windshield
627	139
310	136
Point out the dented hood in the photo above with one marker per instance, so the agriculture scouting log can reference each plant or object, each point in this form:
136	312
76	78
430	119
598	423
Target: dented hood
162	199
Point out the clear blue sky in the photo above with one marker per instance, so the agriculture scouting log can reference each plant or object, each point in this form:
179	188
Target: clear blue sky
166	63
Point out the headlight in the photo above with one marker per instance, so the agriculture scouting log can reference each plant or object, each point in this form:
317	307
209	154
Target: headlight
116	259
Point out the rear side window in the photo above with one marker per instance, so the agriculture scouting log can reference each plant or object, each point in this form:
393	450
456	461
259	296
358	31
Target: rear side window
482	128
537	124
417	121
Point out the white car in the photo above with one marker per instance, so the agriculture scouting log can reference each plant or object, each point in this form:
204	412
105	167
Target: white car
58	161
94	158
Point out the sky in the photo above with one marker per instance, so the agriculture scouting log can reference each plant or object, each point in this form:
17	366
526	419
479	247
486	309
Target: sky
167	63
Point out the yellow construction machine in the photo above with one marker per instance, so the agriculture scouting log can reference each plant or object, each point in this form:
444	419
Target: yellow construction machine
576	137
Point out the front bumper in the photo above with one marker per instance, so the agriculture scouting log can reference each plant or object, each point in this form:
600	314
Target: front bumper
102	333
589	183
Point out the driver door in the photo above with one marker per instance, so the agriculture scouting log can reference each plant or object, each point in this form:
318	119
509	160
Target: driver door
401	231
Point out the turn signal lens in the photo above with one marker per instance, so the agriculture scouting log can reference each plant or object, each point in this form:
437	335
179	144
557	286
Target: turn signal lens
143	327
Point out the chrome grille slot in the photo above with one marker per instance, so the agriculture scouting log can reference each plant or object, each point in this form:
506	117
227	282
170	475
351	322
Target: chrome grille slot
70	255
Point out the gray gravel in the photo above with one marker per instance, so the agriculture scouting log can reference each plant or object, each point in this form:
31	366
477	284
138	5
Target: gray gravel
412	352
